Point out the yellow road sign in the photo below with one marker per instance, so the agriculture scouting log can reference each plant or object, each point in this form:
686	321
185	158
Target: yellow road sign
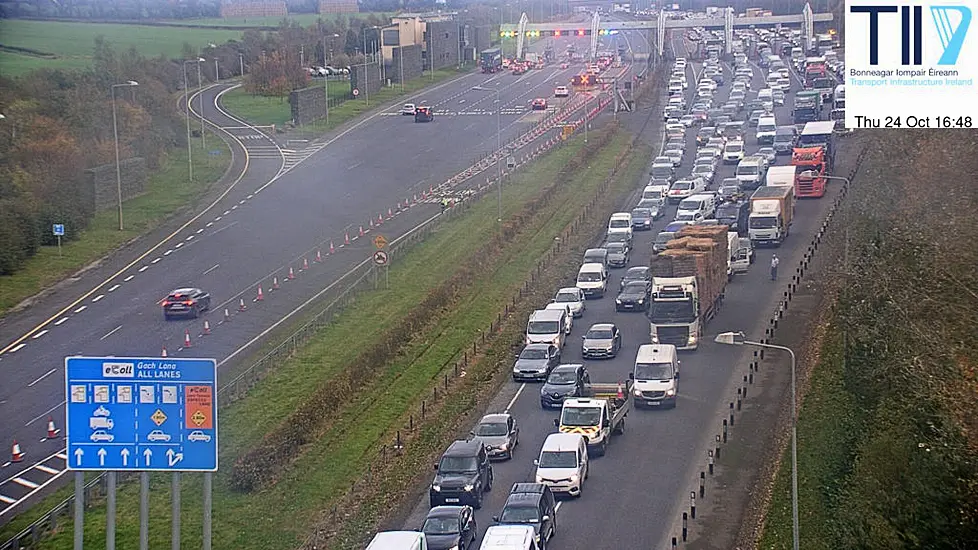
158	417
380	241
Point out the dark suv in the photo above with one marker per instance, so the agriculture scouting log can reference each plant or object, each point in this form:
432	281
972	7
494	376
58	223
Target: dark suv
463	475
531	504
185	302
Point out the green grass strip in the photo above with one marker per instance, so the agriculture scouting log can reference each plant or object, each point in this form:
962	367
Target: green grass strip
168	192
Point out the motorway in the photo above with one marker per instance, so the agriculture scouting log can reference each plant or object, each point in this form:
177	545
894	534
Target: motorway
635	492
286	206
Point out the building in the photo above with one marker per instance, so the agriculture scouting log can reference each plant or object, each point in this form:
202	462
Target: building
437	33
338	6
248	8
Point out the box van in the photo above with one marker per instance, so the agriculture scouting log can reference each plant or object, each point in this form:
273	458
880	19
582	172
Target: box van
621	222
547	326
767	127
563	463
596	256
509	537
398	540
592	278
655	376
703	204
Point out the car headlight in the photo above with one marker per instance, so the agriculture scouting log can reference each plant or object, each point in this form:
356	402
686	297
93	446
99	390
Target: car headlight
641	300
574	478
655	339
539	479
454	547
618	301
469	487
637	393
692	339
670	393
436	488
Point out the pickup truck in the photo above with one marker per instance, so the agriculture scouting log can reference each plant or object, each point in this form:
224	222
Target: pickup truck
598	417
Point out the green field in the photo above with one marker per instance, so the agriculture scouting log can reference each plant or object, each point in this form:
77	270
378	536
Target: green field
73	44
304	19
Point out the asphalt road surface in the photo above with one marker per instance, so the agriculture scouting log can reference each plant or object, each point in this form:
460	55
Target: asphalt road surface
287	204
633	493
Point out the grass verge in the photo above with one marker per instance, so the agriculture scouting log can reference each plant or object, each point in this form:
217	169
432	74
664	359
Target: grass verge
263	111
281	516
168	191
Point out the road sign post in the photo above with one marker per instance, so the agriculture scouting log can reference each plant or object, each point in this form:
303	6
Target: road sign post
59	230
381	258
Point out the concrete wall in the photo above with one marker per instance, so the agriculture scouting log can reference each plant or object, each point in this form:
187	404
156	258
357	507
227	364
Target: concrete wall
100	186
369	83
443	44
413	63
308	104
245	8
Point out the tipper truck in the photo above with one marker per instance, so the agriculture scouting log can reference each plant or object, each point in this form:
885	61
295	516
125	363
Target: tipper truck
598	417
771	208
688	279
491	60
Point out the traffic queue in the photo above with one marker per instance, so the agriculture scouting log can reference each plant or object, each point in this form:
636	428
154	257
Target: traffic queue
717	226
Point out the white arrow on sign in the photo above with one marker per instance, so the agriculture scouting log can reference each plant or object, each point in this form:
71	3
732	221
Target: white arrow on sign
101	457
173	457
147	454
78	456
125	456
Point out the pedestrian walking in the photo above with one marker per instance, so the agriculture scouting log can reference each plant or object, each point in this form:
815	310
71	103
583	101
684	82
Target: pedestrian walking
774	267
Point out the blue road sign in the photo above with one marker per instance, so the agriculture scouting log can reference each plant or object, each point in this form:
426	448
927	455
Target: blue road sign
58	229
128	413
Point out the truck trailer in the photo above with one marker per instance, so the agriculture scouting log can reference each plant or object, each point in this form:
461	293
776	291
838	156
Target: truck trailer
491	60
688	279
771	208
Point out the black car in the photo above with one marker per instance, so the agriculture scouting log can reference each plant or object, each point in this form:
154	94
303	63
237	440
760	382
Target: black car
617	254
535	362
185	302
450	527
462	475
785	139
531	504
642	219
633	297
734	214
639	273
564	381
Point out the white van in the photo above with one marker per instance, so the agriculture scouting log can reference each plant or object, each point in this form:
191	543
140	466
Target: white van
703	204
569	320
767	127
398	540
733	244
509	537
592	278
547	326
751	171
621	222
655	193
563	463
656	376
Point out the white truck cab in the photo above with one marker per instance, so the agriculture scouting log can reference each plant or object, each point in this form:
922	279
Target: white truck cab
563	463
592	278
509	537
751	171
398	540
655	375
621	222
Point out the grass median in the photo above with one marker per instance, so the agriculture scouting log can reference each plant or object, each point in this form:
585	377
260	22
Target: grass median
265	111
168	192
279	516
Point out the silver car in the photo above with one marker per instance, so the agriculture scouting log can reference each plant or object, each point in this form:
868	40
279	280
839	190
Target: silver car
573	297
499	433
601	340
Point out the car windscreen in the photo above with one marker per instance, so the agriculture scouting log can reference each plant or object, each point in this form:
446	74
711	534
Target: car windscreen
637	287
520	514
543	327
653	371
598	334
492	429
664	237
641	213
562	377
558	459
533	353
682	185
728	211
747	170
567	297
574	416
619	223
615	248
458	464
734	147
589	277
440	526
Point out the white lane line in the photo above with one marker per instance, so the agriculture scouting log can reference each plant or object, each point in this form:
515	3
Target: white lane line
25	483
226	212
156	260
212	269
114	287
201	230
39	334
81	309
7	500
168	252
515	397
129	278
178	245
557	506
42	377
145	267
228	226
235	207
219	218
45	415
189	238
59	321
242	201
111	332
352	166
62	456
47	469
209	224
97	298
250	196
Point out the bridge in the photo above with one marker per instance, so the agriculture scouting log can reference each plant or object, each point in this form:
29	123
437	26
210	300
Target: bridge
598	27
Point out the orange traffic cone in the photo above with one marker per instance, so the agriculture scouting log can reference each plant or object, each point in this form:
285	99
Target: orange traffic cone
390	213
319	256
241	305
291	274
371	223
380	219
186	338
275	285
260	296
346	238
361	230
163	353
332	249
16	455
305	264
207	327
227	315
414	199
53	430
621	391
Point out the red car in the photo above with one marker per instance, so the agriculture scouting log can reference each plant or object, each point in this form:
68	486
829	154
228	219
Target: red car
539	104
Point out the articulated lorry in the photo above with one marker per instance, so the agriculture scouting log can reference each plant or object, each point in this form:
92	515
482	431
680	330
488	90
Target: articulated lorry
771	208
807	160
491	60
688	279
598	417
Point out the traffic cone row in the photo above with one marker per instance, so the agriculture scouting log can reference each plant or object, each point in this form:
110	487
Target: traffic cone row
291	274
260	296
305	264
319	256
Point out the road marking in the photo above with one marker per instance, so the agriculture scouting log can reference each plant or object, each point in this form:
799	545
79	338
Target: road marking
212	269
178	245
515	397
39	334
250	195
61	320
226	212
42	377
47	469
201	230
242	201
168	252
25	483
145	267
235	207
114	287
97	298
156	260
81	309
189	238
352	166
228	226
7	500
44	415
111	332
209	224
557	506
129	278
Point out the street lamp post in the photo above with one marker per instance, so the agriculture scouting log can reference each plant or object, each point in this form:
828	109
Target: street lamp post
200	96
499	151
326	76
186	102
115	134
217	74
738	339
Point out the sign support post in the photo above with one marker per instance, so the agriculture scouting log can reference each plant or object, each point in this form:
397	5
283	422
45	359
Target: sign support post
175	512
59	230
79	510
208	502
110	511
144	511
